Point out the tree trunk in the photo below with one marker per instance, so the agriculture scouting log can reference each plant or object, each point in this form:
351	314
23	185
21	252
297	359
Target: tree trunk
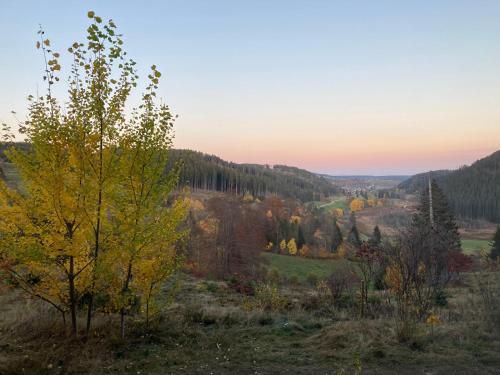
122	323
72	299
98	225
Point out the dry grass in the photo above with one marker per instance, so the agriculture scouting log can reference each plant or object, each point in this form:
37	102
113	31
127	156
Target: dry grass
209	329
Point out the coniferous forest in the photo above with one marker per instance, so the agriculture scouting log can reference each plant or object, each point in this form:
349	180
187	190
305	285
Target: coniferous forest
209	172
472	191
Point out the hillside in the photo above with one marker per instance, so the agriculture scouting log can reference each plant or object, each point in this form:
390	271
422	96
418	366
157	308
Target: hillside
419	181
208	172
472	191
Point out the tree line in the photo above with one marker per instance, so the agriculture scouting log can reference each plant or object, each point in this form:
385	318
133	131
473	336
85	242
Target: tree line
208	172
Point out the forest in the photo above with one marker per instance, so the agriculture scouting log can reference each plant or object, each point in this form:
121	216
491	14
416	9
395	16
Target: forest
472	191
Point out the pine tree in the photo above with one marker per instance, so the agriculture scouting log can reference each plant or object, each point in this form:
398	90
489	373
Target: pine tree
495	245
376	237
300	237
353	236
337	238
433	234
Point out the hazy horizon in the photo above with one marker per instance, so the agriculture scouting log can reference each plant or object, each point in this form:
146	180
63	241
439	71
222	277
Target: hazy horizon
372	88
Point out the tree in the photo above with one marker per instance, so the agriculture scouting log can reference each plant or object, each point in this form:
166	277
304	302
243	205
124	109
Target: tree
94	204
292	247
357	204
376	237
301	241
337	238
282	245
433	232
233	243
353	236
367	259
495	245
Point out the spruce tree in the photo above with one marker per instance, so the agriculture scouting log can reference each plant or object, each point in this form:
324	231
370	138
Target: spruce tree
337	238
376	237
433	234
300	238
495	245
353	236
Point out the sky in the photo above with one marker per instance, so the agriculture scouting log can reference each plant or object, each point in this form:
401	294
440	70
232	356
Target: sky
339	87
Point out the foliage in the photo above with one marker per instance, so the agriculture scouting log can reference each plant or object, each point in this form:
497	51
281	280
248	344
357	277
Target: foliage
357	204
353	237
94	207
292	247
268	297
337	237
208	172
472	191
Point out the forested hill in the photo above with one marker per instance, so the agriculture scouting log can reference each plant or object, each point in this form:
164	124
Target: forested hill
472	191
209	172
419	181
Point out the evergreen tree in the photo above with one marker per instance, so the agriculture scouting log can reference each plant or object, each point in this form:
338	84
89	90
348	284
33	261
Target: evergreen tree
376	237
433	234
353	236
337	238
300	238
495	245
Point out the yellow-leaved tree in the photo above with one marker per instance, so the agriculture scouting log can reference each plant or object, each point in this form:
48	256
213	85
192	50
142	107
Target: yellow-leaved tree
95	216
283	245
292	247
357	204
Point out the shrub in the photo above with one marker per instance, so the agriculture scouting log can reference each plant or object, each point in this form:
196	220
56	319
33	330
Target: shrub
268	297
341	282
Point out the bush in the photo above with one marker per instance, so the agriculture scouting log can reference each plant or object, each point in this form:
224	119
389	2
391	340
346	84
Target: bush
341	282
268	297
241	285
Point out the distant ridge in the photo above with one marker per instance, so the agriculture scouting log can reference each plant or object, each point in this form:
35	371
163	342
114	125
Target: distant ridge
201	171
209	172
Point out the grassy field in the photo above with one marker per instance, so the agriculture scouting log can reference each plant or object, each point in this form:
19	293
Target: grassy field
335	202
210	329
299	267
474	246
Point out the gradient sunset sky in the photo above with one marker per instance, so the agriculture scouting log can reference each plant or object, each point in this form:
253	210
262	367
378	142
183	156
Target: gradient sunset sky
339	87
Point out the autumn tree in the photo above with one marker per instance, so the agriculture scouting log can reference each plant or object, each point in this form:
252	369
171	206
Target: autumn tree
93	207
292	247
234	243
283	245
367	260
357	204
